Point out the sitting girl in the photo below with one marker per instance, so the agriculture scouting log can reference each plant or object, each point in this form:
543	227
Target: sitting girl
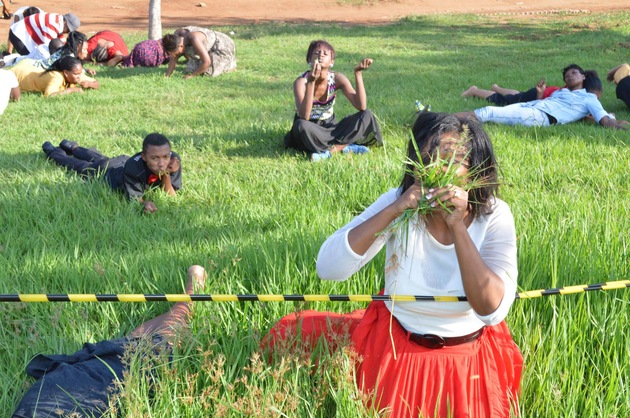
315	129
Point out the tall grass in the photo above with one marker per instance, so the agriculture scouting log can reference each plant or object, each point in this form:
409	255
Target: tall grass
254	214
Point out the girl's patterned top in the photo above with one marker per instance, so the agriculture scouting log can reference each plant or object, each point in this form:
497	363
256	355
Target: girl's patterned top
323	110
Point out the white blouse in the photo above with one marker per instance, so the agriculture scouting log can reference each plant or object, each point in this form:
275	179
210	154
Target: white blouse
419	265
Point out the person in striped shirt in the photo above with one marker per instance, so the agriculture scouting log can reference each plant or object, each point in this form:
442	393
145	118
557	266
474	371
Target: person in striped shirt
39	29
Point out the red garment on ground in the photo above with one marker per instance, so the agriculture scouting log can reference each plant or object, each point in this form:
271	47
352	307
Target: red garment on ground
108	35
477	380
549	90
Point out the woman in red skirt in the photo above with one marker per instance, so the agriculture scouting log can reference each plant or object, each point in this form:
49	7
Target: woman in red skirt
431	359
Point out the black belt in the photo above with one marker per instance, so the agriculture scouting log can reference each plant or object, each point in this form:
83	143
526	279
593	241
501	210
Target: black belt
552	120
435	341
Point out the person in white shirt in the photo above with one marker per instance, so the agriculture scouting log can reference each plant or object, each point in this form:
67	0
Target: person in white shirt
566	105
9	89
20	14
420	357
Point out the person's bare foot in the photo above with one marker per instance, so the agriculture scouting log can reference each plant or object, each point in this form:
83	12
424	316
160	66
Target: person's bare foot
495	87
470	92
196	279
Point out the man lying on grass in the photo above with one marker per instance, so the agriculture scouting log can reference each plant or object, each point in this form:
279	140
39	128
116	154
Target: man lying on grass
566	105
155	166
87	383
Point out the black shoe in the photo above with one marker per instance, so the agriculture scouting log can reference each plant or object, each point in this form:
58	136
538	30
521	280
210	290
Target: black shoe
68	146
48	148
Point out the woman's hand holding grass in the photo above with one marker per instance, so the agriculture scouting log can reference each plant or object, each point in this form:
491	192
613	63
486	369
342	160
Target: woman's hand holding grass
409	200
452	197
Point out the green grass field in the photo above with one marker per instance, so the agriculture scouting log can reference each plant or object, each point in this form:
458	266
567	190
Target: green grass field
254	215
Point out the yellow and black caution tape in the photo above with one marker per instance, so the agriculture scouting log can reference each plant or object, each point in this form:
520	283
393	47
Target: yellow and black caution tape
567	290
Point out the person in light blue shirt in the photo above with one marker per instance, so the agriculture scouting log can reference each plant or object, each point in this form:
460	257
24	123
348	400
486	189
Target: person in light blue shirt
569	104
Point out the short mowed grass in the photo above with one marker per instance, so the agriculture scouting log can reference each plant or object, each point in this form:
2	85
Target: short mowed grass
254	214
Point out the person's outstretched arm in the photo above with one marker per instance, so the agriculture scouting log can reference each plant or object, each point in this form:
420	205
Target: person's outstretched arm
357	95
89	83
65	91
608	122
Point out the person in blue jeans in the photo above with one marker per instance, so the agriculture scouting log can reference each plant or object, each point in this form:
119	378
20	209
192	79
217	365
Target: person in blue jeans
315	129
569	104
83	384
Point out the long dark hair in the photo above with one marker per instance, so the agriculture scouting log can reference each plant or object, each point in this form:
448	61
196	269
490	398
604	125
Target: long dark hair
170	42
75	39
67	63
428	131
592	82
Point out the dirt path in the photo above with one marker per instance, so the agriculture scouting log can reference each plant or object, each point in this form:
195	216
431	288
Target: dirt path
132	15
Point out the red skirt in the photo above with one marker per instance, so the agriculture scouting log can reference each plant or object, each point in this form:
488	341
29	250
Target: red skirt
479	379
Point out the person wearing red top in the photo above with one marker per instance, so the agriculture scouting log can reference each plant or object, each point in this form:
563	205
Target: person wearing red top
107	47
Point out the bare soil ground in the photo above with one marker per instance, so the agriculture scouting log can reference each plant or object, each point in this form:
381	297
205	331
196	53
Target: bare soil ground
132	15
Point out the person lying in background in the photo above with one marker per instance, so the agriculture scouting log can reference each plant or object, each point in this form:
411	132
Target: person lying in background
75	46
155	166
208	52
153	53
39	29
566	105
64	76
107	47
502	97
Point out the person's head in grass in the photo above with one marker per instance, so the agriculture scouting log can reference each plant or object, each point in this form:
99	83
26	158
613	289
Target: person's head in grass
55	45
156	153
70	67
322	51
99	54
173	45
593	84
458	141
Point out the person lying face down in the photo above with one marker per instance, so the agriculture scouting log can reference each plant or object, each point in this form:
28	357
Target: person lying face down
64	76
156	166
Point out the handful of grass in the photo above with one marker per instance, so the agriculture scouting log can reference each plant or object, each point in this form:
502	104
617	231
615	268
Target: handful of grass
438	173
